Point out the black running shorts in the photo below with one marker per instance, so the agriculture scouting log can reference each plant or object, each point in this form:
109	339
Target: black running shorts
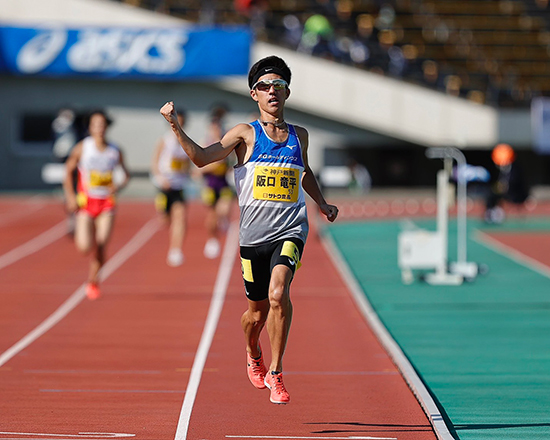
166	198
257	263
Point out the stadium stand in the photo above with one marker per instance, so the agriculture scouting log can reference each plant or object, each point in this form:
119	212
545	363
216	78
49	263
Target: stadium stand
490	51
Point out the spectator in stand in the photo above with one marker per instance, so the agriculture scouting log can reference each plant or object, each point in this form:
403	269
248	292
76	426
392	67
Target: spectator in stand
293	31
453	83
324	7
430	74
343	21
318	37
256	12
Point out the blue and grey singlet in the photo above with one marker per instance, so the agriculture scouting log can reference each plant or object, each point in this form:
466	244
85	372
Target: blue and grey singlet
269	189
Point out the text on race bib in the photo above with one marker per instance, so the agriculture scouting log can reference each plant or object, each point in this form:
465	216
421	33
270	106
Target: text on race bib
276	183
177	164
97	178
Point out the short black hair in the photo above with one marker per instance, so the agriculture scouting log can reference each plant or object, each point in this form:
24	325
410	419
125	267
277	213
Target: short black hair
265	65
218	111
99	112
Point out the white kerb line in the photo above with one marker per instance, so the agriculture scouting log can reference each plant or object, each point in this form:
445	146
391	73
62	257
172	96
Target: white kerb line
130	248
512	254
409	374
214	312
292	437
33	245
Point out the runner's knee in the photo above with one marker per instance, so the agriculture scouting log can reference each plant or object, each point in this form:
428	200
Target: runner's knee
258	317
278	295
83	247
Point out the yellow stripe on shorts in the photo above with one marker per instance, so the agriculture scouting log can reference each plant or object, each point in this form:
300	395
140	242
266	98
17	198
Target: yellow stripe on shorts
246	267
290	250
208	196
161	202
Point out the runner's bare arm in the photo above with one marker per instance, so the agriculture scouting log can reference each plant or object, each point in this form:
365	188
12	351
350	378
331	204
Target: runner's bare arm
202	156
122	163
157	176
309	182
68	182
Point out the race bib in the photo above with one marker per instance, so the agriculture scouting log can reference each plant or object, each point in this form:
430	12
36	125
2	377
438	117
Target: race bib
178	164
276	183
97	178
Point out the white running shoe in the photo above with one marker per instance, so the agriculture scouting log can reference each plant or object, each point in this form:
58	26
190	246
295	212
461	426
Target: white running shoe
175	257
212	248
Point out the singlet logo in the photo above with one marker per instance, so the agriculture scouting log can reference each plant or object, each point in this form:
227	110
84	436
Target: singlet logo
283	158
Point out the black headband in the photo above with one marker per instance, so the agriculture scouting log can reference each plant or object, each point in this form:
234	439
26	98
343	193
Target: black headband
268	69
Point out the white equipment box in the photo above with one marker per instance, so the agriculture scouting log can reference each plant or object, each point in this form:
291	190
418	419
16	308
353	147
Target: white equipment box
420	249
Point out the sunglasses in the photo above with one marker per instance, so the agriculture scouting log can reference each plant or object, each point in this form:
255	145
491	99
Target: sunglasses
265	84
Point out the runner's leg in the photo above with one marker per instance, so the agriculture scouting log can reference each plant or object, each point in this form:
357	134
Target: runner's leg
177	225
223	210
104	226
84	232
280	314
252	322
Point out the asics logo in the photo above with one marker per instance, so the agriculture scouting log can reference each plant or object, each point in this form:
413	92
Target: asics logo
40	51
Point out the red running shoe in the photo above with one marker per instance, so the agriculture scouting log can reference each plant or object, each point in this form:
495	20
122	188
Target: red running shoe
274	381
256	370
92	291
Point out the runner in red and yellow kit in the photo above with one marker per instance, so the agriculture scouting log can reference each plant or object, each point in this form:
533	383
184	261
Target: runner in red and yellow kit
94	203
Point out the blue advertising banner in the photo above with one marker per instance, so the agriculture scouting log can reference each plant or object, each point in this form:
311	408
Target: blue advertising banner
169	53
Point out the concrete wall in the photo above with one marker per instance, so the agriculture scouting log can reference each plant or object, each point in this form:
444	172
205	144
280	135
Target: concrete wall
134	106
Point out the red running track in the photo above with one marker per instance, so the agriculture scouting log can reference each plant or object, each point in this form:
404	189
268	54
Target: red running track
121	365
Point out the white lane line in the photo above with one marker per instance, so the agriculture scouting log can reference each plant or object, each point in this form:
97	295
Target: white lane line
116	391
214	312
79	435
92	371
33	245
284	437
511	253
136	242
33	204
414	382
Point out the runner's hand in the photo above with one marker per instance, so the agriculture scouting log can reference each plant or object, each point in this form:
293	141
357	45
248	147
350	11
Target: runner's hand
71	205
330	211
169	112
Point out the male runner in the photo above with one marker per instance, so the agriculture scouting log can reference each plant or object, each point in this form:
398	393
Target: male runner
95	159
217	194
271	175
170	168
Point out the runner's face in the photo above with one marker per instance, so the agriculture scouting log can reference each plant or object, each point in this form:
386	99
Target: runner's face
270	99
98	125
